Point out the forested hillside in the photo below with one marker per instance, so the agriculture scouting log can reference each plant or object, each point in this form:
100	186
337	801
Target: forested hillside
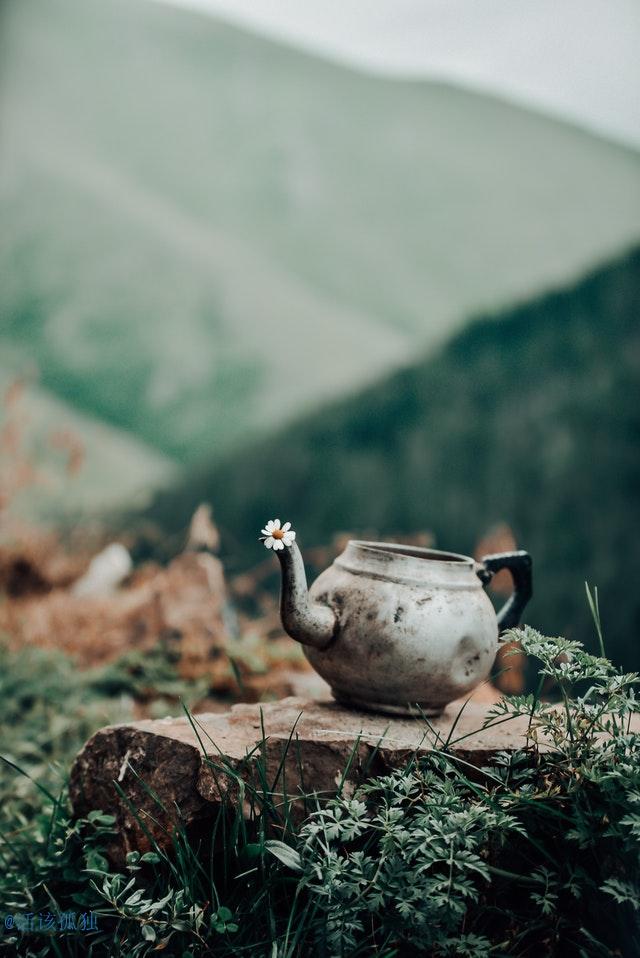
208	233
533	420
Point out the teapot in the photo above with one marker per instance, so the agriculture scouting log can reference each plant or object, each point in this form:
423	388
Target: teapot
398	629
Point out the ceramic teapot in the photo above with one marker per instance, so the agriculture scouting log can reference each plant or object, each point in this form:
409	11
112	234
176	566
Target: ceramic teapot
398	629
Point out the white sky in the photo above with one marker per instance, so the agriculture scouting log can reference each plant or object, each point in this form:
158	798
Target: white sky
578	59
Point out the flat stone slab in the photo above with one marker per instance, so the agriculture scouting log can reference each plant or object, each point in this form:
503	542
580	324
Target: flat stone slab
155	775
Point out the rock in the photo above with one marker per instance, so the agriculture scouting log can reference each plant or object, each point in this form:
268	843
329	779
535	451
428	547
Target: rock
203	532
106	572
182	605
33	561
305	747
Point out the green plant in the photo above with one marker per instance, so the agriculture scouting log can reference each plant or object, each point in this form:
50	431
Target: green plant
540	850
149	675
538	853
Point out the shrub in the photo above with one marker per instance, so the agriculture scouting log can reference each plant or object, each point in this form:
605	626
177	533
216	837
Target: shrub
536	854
540	851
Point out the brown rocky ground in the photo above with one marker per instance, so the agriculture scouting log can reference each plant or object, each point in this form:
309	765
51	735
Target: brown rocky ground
224	632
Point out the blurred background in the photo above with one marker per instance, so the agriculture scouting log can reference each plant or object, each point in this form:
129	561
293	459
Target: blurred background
373	268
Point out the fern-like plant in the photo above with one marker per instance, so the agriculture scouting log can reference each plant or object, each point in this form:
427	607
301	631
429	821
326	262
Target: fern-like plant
538	854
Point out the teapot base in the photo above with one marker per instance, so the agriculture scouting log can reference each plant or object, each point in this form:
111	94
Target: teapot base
411	710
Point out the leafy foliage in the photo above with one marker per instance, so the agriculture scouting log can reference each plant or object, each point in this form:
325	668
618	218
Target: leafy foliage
538	853
525	854
48	708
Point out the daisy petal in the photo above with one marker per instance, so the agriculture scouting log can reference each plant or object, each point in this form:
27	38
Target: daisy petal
286	527
276	523
270	542
266	532
278	544
288	538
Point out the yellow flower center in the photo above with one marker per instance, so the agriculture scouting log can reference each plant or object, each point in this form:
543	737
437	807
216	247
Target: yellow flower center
278	534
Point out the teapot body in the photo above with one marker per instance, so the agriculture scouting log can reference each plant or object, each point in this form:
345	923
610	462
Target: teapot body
414	628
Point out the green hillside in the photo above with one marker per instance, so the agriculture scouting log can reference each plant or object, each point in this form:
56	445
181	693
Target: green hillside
114	468
206	233
533	421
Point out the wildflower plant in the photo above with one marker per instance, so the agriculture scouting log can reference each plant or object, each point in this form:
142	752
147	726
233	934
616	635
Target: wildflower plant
536	853
276	536
540	850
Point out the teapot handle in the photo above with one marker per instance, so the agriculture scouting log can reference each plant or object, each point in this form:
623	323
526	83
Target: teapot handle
519	565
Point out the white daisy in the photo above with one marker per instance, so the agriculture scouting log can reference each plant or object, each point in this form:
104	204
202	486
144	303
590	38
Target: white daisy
276	536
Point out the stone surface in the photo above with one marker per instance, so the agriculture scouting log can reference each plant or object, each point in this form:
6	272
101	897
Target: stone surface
304	745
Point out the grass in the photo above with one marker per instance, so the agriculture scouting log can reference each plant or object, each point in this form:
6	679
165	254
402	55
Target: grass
538	853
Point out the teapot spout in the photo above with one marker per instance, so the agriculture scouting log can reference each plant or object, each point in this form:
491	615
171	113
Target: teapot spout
308	622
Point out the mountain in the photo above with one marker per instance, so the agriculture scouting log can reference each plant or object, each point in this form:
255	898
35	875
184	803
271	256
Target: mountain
58	463
208	233
532	420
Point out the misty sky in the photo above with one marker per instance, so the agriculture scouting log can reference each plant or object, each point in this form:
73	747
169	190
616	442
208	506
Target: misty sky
575	58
